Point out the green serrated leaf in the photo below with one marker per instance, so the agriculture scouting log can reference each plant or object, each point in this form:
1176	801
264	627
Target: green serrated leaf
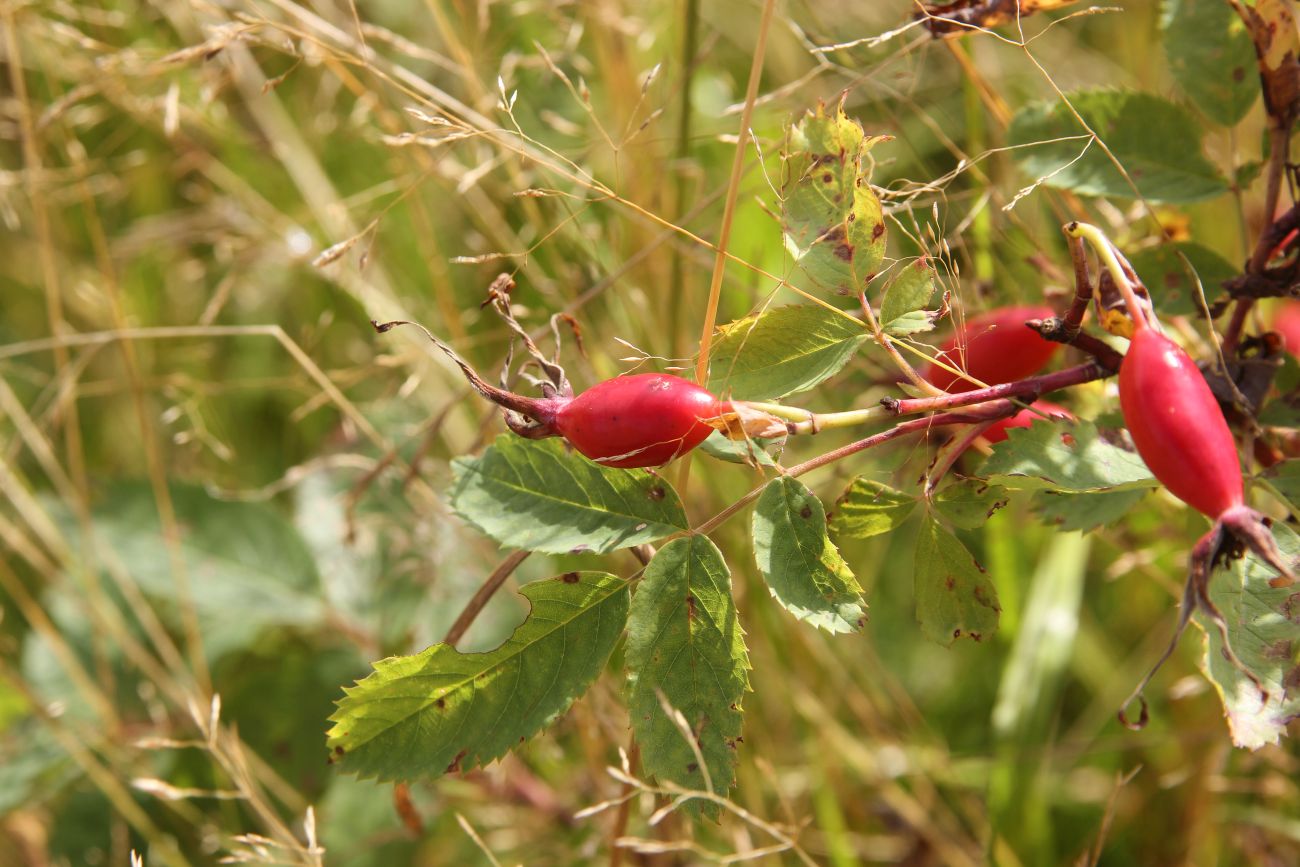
1211	57
781	351
832	219
802	567
869	508
1087	511
685	644
751	452
1264	629
902	313
1166	277
1157	142
969	503
441	710
954	597
1066	456
539	496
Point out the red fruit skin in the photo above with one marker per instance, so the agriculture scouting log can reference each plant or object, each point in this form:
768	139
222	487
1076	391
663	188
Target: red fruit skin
644	420
997	432
1177	425
995	347
1287	325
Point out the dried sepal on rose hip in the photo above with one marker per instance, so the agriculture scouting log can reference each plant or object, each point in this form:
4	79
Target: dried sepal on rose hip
640	420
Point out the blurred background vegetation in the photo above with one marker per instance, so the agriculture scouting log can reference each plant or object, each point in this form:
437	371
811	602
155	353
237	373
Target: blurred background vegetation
222	493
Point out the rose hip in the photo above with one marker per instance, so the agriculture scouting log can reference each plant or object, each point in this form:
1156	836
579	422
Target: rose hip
1177	425
994	348
644	420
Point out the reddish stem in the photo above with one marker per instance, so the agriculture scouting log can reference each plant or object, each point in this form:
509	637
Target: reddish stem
1027	390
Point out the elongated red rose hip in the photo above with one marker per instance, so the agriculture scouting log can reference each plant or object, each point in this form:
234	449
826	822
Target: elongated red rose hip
644	420
994	348
1177	425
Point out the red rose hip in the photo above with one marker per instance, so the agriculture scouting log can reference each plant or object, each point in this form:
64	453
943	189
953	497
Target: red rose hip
1177	425
643	420
994	348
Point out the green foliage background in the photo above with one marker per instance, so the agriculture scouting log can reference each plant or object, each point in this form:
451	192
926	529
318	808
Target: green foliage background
215	478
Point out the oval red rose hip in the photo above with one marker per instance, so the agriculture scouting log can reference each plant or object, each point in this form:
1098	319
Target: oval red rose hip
643	420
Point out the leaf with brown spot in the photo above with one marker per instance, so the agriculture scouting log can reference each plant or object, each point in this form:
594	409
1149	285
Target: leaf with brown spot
1264	635
953	595
802	566
832	218
1211	57
1272	26
1067	456
869	508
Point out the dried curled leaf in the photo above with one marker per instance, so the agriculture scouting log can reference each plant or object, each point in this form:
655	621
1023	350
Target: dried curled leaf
743	422
1272	26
